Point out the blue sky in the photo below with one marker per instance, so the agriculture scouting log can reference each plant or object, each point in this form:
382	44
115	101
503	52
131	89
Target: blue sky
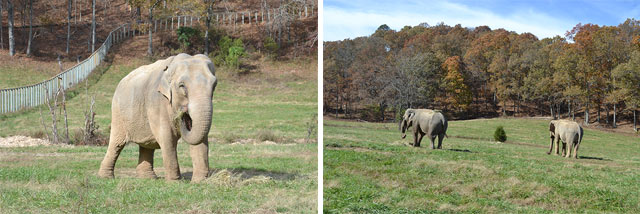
544	18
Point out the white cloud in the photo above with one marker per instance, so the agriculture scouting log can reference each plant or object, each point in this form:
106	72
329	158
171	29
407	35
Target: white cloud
340	23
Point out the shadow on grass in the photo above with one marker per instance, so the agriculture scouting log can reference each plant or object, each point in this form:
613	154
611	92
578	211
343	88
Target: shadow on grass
594	158
460	150
248	173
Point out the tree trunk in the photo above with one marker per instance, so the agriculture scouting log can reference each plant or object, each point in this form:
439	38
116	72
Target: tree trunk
634	120
586	114
551	109
206	34
614	116
93	26
598	120
606	118
30	27
1	28
138	15
12	42
69	26
150	49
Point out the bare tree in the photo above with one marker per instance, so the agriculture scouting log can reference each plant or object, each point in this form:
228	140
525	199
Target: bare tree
93	26
30	27
12	42
68	25
208	22
151	7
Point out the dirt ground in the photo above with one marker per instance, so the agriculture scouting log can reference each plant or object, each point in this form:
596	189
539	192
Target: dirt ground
24	141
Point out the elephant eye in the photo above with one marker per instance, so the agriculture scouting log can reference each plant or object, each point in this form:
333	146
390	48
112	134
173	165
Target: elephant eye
183	89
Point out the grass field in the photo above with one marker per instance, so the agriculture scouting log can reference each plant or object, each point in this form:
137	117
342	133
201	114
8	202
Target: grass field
368	168
276	102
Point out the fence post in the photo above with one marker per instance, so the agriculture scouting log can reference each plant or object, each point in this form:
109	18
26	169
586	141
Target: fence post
305	11
249	16
242	18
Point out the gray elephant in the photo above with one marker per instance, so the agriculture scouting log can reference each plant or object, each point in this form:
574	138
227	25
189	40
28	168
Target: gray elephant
569	133
425	122
157	104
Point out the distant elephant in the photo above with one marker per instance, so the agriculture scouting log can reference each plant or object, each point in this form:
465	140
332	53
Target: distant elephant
567	131
157	104
425	122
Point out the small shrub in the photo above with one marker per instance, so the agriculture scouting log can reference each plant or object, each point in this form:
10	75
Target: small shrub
233	58
270	46
371	113
186	35
500	135
312	126
98	139
267	135
38	134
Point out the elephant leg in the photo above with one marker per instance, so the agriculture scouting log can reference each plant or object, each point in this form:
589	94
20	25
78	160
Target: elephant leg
569	148
200	160
558	144
440	137
116	144
432	138
170	161
575	152
416	142
145	163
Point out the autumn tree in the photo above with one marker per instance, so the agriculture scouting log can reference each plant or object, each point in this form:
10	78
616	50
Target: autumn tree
628	83
370	72
457	94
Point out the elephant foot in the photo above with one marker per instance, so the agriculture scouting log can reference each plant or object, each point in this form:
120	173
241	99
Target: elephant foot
548	153
105	174
198	179
146	174
169	177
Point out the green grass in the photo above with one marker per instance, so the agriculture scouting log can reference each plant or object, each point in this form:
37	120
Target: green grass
368	168
248	178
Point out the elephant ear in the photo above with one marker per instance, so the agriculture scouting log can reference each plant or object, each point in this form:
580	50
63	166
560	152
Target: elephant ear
552	127
412	113
164	87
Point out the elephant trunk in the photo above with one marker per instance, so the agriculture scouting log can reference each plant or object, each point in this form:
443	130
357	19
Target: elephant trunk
197	121
403	128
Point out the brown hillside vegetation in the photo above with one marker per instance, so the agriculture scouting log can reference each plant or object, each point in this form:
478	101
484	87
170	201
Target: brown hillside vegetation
590	74
50	28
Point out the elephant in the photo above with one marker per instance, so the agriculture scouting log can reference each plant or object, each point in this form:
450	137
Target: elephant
425	122
567	131
157	104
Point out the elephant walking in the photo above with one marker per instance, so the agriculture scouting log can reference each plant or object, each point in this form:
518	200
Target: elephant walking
425	122
157	104
569	133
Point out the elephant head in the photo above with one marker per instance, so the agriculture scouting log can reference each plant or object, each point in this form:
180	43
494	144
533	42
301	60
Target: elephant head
188	83
407	121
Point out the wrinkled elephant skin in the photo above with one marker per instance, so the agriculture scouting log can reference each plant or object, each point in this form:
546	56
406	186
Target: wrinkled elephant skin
157	104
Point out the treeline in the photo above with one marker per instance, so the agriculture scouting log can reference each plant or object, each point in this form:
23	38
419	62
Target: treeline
471	72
